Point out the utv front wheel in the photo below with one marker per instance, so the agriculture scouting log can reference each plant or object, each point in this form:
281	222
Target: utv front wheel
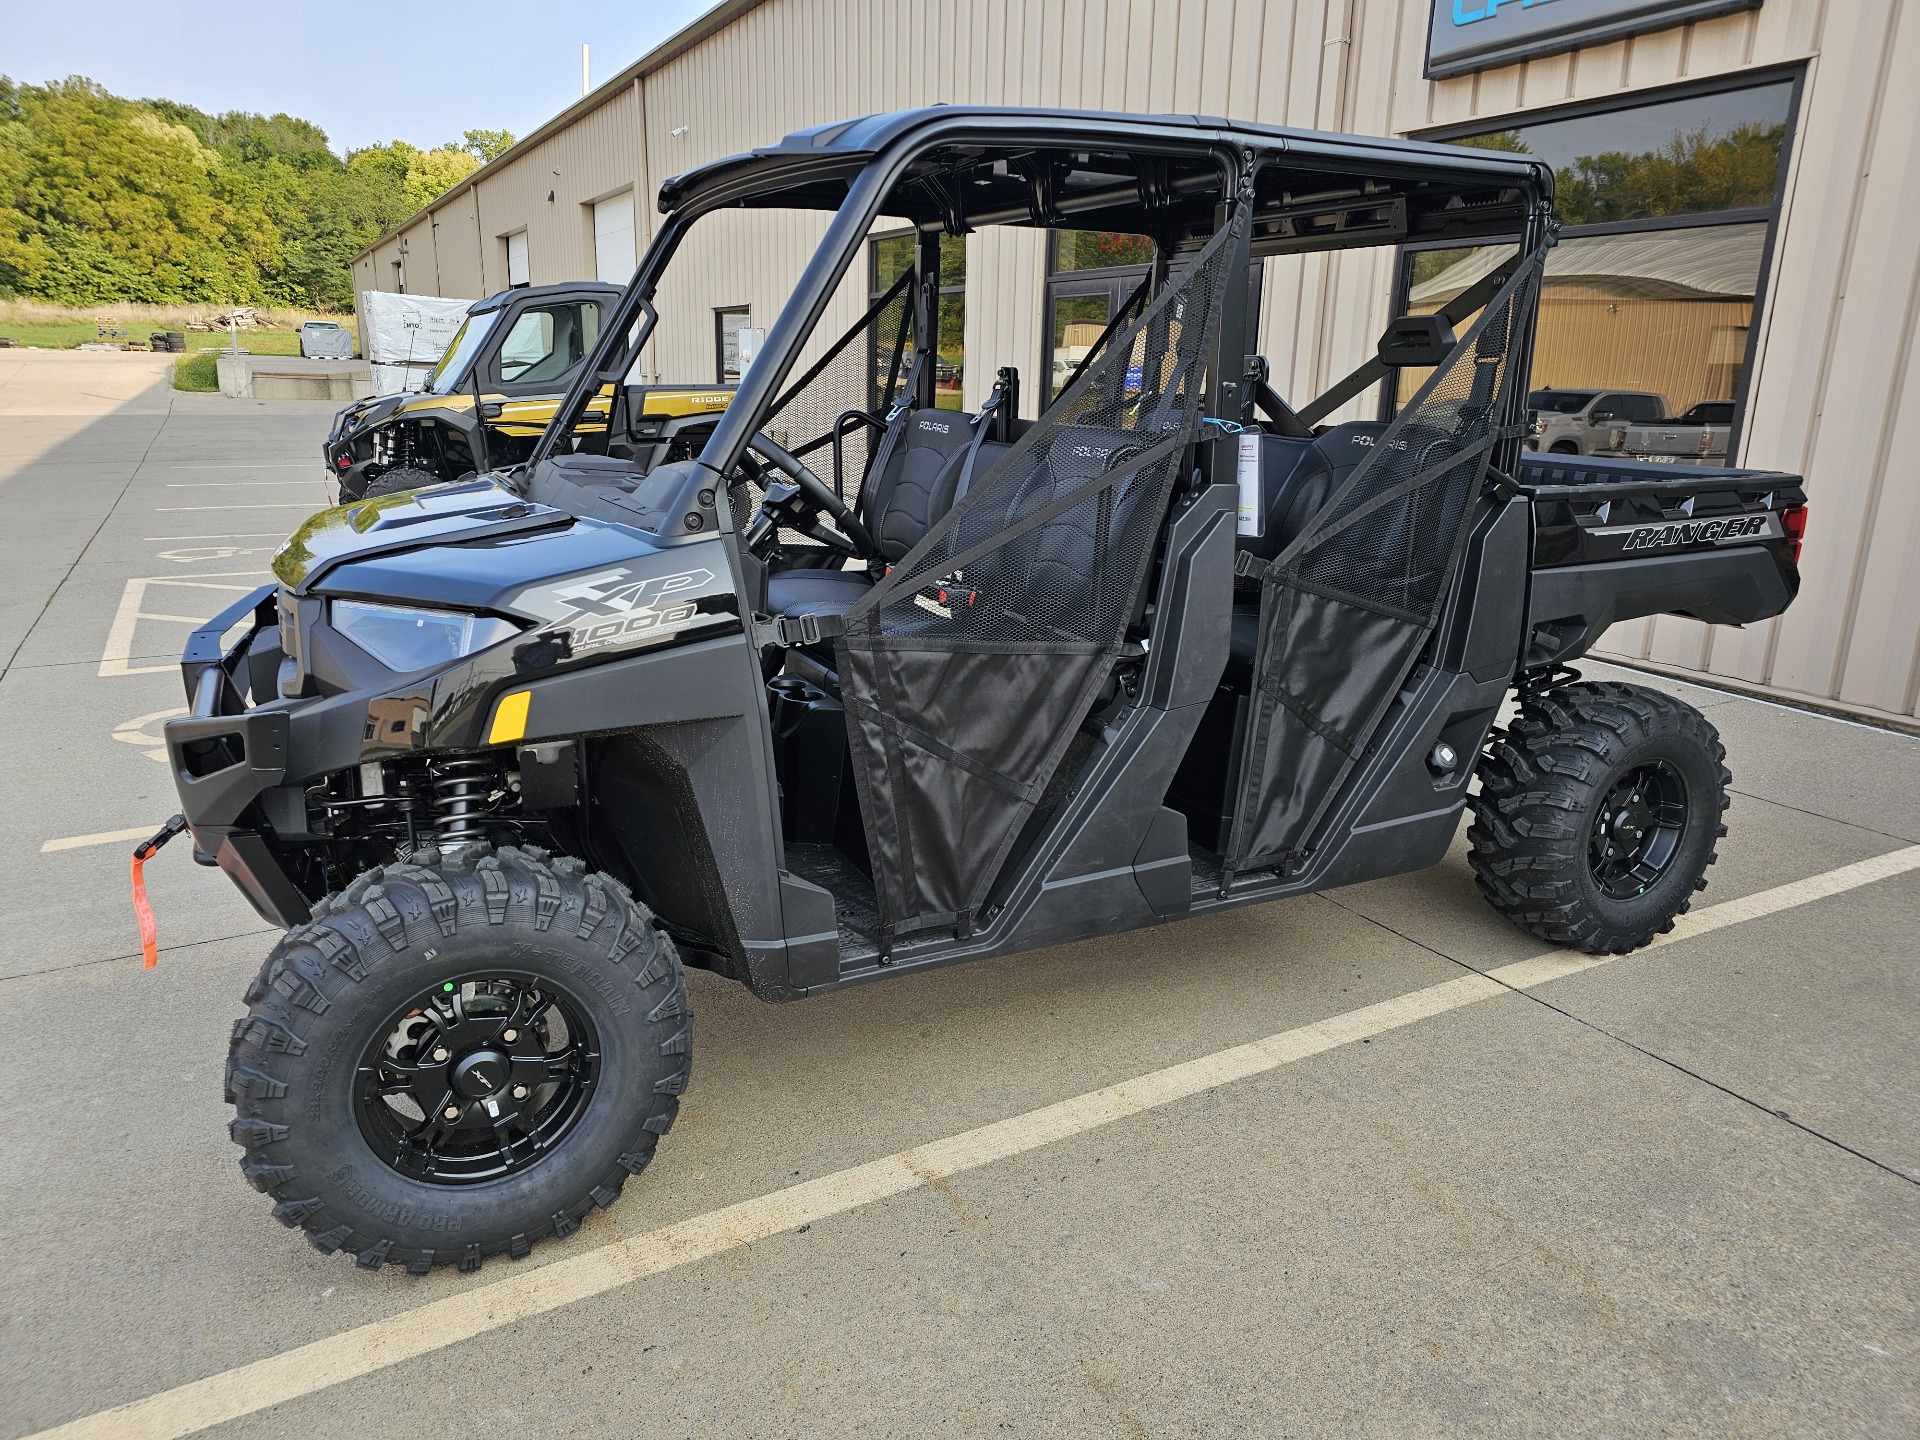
458	1057
1597	814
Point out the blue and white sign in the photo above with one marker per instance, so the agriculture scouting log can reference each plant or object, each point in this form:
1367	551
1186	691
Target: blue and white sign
1475	34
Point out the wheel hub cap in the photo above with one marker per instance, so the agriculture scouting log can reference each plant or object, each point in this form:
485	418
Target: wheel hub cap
481	1073
476	1079
1637	830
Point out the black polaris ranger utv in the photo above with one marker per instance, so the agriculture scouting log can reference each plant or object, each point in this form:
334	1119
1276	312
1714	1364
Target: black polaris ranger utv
488	400
861	686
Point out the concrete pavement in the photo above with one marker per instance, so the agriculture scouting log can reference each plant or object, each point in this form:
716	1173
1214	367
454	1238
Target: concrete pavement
1675	1194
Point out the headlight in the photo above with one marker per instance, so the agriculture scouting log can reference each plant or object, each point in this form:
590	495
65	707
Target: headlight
403	638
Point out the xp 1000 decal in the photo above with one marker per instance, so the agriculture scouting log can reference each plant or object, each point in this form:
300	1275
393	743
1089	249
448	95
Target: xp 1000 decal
623	608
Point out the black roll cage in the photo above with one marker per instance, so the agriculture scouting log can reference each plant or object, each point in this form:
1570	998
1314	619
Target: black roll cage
857	167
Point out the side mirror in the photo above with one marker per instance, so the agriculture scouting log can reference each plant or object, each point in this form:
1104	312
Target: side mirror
1600	417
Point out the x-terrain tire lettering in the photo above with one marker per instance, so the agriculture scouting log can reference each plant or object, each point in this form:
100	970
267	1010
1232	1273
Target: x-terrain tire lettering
459	1056
1597	814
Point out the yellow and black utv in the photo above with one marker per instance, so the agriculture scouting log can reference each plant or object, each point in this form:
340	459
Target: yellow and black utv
490	397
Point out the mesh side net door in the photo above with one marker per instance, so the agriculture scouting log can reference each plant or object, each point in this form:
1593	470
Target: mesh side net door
967	669
1347	607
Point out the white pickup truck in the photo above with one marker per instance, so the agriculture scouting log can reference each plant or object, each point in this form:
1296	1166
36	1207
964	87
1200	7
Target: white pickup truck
1700	435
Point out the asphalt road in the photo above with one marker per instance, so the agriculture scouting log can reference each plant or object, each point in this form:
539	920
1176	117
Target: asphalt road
1674	1194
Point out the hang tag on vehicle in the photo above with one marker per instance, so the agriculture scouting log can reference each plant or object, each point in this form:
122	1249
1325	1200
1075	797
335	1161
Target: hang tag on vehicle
1253	520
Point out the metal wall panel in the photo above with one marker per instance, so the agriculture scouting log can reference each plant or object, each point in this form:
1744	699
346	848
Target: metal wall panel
1834	393
456	239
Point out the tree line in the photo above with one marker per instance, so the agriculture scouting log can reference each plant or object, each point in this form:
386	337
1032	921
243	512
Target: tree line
104	199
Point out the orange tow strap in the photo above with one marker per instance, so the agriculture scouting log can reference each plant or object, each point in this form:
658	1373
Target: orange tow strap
142	910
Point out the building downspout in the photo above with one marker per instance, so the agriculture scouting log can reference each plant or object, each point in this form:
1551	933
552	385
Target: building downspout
1336	54
643	199
479	239
1329	113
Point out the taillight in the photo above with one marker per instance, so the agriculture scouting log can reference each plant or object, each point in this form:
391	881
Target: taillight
1706	440
1793	523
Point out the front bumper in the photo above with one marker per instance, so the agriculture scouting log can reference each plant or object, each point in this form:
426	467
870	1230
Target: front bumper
225	756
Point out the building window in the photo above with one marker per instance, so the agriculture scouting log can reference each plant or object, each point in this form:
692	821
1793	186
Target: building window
1090	275
727	325
519	272
890	256
1648	306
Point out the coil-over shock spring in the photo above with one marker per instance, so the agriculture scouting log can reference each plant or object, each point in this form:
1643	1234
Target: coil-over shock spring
461	790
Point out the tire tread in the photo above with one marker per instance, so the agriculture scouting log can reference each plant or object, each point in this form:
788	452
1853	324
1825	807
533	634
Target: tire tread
1540	774
360	929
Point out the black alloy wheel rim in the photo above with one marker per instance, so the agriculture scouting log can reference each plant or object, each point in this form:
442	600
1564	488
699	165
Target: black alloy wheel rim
477	1079
1637	830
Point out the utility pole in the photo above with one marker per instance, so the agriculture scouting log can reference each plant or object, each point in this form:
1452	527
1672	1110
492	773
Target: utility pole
585	88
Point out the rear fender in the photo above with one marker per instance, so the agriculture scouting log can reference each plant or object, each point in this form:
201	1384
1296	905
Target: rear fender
1571	606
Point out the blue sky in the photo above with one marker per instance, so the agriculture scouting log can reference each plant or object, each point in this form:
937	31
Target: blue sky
364	72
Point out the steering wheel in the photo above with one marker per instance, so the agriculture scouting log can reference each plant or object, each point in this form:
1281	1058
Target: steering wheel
798	502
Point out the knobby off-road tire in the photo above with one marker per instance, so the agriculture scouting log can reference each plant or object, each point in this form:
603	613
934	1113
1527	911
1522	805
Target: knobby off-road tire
455	930
1597	814
395	481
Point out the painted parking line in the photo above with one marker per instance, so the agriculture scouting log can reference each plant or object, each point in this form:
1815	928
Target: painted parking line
248	1389
275	505
233	484
117	654
207	554
105	837
249	535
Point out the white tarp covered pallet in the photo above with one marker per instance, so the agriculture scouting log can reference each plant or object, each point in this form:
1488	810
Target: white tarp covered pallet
403	336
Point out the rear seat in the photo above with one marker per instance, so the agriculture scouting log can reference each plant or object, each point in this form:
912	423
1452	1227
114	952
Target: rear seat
1297	478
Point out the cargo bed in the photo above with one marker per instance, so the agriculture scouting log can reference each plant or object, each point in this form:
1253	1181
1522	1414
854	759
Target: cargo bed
1617	539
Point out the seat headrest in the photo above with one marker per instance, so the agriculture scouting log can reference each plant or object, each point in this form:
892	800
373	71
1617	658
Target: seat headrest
941	429
1346	446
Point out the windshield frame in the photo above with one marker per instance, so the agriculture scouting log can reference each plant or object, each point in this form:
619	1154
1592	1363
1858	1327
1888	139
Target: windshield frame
449	375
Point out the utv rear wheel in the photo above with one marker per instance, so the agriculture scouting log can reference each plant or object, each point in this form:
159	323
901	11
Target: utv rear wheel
458	1057
1597	814
397	480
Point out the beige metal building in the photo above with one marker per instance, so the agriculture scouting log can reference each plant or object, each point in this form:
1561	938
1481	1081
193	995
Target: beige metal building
1740	181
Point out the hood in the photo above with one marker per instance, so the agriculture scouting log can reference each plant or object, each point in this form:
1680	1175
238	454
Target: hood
507	572
370	412
391	524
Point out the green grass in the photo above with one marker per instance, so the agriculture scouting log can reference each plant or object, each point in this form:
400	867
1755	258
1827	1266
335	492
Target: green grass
58	336
196	370
61	327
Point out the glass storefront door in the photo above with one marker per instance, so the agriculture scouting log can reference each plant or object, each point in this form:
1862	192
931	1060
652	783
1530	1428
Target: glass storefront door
1648	306
1661	312
1077	313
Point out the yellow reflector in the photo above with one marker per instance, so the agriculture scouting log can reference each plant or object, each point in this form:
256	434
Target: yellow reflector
510	718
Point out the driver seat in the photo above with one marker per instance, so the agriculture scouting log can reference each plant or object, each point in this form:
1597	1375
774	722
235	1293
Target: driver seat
909	496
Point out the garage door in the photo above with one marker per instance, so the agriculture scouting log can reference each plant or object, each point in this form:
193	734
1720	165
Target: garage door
613	239
518	271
